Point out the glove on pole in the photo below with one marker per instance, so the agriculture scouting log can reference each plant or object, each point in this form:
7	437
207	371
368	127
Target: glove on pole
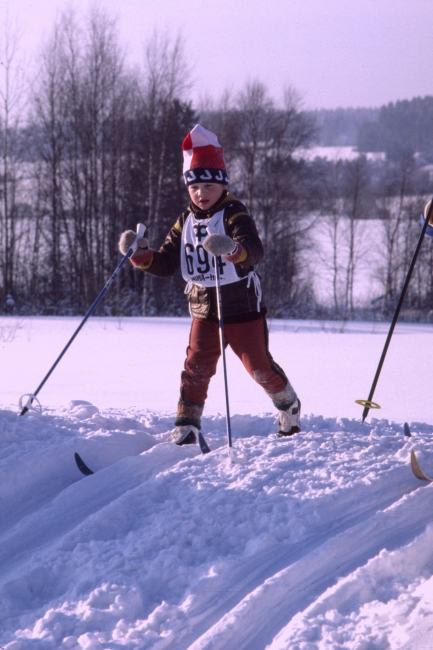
368	403
141	229
221	332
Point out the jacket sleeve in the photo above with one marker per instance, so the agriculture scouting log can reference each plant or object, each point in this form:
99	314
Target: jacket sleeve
166	260
242	229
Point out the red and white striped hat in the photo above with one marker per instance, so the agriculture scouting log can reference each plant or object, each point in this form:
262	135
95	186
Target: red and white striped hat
203	158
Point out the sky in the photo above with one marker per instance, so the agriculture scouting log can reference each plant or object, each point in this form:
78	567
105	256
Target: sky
335	53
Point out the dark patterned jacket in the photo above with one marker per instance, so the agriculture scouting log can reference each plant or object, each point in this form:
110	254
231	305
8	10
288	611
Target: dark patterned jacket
239	301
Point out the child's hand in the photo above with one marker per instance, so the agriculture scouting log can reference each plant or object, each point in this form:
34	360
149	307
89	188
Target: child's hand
142	254
224	245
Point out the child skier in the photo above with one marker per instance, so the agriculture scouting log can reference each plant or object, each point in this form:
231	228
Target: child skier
216	224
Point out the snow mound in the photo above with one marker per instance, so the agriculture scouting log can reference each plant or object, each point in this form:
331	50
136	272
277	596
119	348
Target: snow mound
318	541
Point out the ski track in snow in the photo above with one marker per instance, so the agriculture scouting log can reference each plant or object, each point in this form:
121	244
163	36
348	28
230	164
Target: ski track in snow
322	541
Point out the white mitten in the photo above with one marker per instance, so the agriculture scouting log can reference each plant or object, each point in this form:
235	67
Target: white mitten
142	254
126	240
224	245
219	245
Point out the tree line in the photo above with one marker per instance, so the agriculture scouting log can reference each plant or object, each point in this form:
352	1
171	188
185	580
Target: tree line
405	125
90	146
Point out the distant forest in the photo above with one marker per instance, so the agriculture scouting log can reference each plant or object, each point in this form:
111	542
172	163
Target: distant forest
340	127
89	146
397	128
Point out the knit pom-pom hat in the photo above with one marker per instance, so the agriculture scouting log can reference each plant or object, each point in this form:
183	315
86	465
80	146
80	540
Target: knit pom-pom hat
203	158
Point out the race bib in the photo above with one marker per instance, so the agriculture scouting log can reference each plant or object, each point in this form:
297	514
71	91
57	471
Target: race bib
197	265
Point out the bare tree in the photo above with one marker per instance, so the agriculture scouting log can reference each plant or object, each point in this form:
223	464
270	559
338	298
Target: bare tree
11	107
395	196
331	232
80	104
356	183
163	111
271	182
49	112
166	79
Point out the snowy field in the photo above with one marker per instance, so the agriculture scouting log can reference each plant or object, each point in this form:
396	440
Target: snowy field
320	542
333	154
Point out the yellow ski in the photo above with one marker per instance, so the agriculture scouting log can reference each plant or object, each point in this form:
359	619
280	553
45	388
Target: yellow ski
416	469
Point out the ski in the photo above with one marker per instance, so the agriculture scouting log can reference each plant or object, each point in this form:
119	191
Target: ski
82	465
84	469
205	449
416	469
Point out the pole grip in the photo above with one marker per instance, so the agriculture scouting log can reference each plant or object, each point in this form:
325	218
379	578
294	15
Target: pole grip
141	229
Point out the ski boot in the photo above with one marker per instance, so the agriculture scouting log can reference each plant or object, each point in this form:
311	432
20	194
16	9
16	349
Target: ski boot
289	420
186	434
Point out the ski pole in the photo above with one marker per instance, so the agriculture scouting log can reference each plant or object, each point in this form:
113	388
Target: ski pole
368	403
223	353
141	229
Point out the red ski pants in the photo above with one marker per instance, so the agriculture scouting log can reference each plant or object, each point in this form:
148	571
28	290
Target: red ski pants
249	341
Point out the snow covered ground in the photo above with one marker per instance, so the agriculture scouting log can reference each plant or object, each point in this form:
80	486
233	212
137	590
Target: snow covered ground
320	542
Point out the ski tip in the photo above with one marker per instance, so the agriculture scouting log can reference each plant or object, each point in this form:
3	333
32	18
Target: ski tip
82	465
416	469
407	432
205	449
